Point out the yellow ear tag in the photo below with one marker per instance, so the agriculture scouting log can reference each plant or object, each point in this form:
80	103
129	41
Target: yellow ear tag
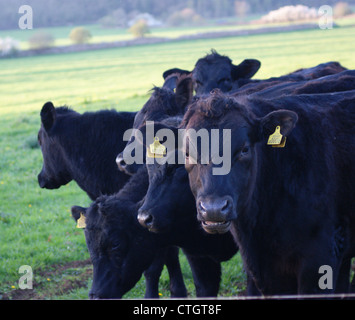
156	149
277	140
282	144
81	224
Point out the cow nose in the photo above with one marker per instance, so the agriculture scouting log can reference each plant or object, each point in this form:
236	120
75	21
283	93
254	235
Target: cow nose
145	219
121	163
215	210
41	180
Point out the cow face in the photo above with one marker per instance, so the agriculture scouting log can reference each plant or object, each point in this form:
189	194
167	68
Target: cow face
54	172
164	103
168	192
220	198
168	189
113	253
215	71
220	73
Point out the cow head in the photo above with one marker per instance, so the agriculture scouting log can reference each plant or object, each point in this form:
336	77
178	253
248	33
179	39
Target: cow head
54	172
221	198
163	104
168	192
168	196
109	232
215	71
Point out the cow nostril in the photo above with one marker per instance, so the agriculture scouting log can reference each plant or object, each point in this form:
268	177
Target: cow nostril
218	209
202	207
145	219
120	162
149	220
226	205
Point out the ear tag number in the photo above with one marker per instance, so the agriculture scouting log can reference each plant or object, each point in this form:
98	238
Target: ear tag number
156	149
277	140
81	224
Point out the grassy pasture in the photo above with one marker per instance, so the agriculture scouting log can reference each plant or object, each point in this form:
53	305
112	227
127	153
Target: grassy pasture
36	227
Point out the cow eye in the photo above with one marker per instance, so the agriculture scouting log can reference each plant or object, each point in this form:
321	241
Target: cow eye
199	82
223	80
243	153
245	150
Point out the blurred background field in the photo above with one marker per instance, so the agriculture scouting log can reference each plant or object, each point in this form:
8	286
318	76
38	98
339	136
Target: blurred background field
36	227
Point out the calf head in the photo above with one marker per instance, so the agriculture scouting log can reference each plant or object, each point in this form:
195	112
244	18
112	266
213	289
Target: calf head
164	103
54	172
215	71
112	237
221	198
168	197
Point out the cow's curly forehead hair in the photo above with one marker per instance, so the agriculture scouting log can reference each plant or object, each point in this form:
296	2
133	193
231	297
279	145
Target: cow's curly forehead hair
212	58
214	107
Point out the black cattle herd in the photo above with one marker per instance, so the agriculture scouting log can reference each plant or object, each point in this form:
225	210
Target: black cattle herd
288	210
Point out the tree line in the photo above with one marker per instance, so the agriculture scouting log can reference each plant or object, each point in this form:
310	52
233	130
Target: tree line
68	12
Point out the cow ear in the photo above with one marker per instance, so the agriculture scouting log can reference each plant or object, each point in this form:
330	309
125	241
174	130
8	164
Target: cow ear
184	92
170	81
77	211
246	69
167	73
161	130
48	115
285	119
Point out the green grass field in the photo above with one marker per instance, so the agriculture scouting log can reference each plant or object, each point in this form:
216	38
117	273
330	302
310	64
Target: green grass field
36	227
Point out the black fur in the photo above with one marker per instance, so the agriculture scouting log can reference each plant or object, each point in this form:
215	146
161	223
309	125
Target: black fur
217	71
83	148
121	249
292	208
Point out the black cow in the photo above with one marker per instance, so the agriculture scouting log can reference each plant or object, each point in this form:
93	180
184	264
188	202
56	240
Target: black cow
121	249
217	71
341	81
304	75
291	209
319	71
83	148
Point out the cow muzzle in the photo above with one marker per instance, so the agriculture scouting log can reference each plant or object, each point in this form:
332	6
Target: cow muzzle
46	183
129	169
215	214
145	219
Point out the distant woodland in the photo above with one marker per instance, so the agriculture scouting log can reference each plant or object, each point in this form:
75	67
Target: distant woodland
47	13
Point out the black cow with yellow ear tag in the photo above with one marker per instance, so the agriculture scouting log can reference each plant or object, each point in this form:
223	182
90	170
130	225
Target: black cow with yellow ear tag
291	209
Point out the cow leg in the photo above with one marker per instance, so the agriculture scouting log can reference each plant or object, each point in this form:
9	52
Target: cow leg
343	283
323	269
170	257
206	274
252	290
152	275
352	286
318	276
177	285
